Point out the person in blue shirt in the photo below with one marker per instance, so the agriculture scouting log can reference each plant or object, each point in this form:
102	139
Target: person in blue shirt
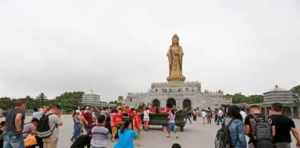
236	128
126	136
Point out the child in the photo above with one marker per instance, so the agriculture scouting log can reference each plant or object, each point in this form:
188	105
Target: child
171	123
146	118
100	134
126	136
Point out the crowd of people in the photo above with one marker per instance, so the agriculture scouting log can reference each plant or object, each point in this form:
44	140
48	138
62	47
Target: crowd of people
270	129
93	127
42	131
122	125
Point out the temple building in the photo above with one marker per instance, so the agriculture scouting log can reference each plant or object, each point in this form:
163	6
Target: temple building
289	100
175	92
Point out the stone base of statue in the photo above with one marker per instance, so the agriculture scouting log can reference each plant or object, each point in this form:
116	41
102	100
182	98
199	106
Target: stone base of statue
179	78
177	94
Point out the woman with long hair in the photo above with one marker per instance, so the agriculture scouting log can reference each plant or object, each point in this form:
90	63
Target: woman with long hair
126	136
236	128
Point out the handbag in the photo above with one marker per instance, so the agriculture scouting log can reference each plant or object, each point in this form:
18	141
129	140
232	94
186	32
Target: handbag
30	140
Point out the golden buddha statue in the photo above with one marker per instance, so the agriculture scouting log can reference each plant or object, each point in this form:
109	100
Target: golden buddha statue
175	55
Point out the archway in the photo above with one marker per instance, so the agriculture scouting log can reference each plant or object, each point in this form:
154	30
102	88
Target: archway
187	104
171	102
156	103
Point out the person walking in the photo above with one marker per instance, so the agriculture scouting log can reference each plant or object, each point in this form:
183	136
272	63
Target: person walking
100	134
258	128
253	111
171	123
204	116
15	117
281	128
126	136
209	115
54	123
220	116
146	118
236	128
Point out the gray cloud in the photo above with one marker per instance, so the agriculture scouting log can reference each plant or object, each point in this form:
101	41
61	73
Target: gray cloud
114	47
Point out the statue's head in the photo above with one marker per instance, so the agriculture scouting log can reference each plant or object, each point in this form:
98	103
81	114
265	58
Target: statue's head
175	39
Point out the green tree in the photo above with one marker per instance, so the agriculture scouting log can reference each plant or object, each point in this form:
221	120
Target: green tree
6	103
239	98
69	100
255	99
296	90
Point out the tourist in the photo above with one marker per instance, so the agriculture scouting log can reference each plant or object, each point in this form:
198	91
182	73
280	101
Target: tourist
77	128
188	116
171	123
38	113
100	134
30	130
236	128
116	118
126	136
35	113
146	118
258	128
194	114
88	117
253	111
281	128
55	122
176	145
15	117
2	128
243	113
220	116
209	115
136	121
203	115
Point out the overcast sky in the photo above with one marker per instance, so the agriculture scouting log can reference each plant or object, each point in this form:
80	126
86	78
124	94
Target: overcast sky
114	47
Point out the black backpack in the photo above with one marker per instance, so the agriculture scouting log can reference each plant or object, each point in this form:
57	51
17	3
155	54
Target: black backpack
261	131
43	129
223	139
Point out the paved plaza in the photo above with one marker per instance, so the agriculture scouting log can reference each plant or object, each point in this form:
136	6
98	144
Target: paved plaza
196	135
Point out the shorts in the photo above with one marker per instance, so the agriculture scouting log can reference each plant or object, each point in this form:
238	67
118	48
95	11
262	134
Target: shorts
171	127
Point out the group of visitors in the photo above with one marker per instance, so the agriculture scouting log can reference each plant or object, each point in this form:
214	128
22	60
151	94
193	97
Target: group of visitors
42	131
208	115
96	127
265	130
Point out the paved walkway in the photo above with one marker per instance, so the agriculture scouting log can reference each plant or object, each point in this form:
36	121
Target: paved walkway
196	135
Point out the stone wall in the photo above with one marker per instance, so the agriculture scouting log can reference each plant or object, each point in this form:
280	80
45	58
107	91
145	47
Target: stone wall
180	92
